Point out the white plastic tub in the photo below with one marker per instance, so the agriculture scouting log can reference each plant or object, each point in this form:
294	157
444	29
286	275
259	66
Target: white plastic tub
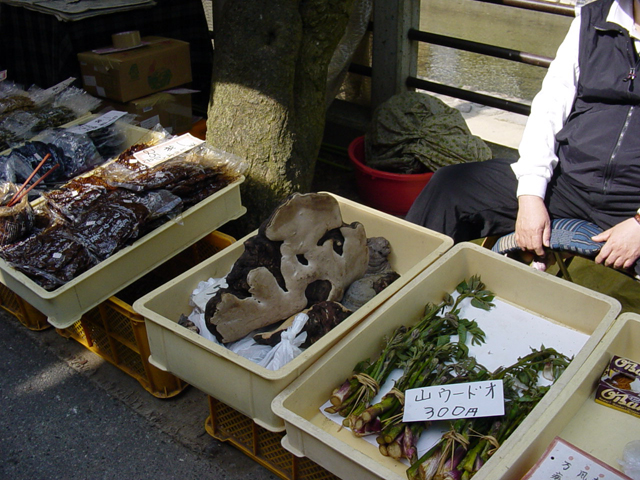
311	434
574	416
66	304
236	381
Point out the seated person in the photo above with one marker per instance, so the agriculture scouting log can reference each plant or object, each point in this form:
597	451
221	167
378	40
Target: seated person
579	156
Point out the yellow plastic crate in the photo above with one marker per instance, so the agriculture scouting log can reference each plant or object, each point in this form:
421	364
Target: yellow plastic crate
115	332
26	314
228	425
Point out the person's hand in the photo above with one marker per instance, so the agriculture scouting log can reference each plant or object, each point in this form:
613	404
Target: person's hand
622	245
533	226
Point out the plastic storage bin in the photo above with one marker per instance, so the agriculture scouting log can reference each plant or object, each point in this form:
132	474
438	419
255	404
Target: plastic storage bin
115	332
26	314
574	416
393	193
65	305
228	425
309	433
236	381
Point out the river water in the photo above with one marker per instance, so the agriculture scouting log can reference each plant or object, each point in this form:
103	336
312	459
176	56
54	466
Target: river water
509	27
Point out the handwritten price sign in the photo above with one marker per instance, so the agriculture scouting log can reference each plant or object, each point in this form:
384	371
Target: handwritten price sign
448	402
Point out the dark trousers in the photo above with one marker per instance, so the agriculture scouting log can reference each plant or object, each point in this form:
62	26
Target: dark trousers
474	200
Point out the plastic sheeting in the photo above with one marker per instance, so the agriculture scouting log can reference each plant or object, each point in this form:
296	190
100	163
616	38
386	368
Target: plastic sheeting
414	132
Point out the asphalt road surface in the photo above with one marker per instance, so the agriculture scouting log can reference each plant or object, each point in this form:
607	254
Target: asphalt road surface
67	414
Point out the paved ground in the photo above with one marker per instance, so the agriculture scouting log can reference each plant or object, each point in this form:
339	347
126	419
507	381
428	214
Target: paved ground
66	414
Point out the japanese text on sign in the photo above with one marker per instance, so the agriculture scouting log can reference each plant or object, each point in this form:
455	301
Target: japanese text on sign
159	153
100	122
562	461
460	400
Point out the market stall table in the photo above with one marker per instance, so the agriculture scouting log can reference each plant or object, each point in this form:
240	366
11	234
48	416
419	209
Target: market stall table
39	49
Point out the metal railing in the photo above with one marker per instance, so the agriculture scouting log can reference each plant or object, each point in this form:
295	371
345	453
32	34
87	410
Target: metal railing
482	49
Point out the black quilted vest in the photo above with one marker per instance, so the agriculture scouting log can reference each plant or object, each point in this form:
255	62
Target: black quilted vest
599	146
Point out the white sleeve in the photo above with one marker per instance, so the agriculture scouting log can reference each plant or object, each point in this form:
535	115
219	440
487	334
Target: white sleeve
549	110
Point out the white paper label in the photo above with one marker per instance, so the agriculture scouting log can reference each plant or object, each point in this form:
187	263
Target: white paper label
102	121
453	401
563	460
169	149
56	89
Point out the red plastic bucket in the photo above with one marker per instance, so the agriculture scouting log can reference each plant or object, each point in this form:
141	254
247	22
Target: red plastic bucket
390	192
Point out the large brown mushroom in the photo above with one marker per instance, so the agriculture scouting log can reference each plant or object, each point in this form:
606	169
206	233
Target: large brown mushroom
302	254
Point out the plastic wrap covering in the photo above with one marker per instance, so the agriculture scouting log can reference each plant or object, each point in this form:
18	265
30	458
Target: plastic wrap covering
15	221
51	257
81	154
109	140
110	223
413	132
25	113
91	217
76	197
192	176
19	163
13	97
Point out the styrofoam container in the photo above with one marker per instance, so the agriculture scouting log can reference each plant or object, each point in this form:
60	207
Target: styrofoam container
66	304
311	434
237	381
600	431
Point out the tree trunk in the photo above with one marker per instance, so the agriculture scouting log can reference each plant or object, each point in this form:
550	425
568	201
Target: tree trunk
268	93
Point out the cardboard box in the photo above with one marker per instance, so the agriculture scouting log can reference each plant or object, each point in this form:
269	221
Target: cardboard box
557	304
171	110
160	64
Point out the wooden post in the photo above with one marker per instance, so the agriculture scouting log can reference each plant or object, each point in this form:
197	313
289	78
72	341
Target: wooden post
394	56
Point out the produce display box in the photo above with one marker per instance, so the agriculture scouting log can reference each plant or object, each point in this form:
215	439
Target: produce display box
116	333
65	305
311	434
25	313
574	416
237	381
264	447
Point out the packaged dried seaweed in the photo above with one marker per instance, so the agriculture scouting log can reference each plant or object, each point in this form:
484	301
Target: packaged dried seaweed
51	257
182	174
15	221
76	197
111	223
81	155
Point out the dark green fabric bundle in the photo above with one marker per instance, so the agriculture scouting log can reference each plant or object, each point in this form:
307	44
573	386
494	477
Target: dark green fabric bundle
414	133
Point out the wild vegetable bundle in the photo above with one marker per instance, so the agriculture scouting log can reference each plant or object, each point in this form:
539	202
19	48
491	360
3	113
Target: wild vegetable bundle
428	355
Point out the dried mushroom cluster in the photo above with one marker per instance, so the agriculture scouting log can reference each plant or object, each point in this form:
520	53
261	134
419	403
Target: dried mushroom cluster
303	255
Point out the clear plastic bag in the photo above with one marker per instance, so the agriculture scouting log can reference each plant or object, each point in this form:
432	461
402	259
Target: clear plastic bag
15	221
289	346
630	461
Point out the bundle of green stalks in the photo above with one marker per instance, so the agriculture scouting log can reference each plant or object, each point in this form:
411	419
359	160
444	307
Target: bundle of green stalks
427	355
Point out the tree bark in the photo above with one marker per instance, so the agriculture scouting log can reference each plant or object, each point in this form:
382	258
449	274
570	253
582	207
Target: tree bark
268	93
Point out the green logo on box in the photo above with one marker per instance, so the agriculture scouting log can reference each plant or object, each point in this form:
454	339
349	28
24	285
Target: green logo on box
160	78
